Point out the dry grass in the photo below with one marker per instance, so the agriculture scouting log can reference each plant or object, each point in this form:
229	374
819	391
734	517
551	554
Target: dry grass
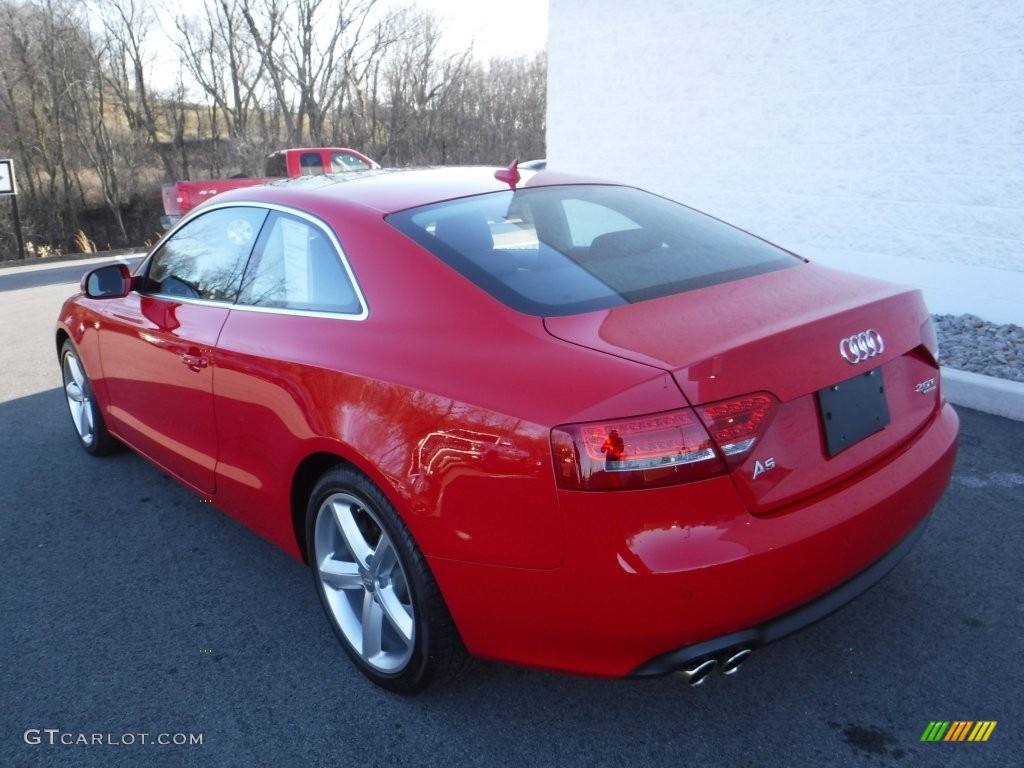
41	251
83	243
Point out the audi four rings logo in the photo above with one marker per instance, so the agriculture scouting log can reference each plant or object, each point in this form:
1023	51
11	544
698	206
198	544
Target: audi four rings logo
861	346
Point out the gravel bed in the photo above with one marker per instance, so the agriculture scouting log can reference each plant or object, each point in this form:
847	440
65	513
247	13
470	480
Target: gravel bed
971	344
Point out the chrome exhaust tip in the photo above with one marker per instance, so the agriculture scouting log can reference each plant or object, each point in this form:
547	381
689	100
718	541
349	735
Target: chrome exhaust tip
695	675
733	660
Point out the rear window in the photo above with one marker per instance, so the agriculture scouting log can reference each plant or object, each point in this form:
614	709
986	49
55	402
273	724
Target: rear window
311	164
563	250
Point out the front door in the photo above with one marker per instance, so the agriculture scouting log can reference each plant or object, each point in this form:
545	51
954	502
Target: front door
158	348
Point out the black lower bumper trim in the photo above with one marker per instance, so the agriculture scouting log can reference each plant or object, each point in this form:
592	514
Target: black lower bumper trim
788	623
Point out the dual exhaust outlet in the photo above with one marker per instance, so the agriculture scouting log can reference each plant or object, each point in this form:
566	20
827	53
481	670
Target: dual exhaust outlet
727	663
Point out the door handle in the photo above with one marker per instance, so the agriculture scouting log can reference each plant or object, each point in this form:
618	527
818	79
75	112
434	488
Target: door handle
194	362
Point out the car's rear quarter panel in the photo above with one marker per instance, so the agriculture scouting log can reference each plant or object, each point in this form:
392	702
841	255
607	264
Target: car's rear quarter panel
427	451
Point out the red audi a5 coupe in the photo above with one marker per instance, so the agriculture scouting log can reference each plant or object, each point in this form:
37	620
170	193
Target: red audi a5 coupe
523	416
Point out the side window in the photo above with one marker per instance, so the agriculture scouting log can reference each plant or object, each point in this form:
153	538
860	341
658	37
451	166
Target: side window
588	220
296	266
311	163
205	259
341	162
276	166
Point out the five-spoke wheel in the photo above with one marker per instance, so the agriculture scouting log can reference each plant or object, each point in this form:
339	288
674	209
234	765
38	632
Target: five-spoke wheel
375	585
364	583
85	415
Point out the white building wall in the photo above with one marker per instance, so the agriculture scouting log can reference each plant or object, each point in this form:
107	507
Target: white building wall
883	137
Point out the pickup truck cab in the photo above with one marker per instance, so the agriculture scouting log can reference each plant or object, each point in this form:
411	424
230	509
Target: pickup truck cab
182	196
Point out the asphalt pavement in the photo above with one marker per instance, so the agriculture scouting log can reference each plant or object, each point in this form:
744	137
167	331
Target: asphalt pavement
128	607
14	278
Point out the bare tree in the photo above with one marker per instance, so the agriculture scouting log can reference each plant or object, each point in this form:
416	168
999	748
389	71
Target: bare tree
449	108
45	45
360	114
264	20
421	83
92	117
310	50
220	53
127	26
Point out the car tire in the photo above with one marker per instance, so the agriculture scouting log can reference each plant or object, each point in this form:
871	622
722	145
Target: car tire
86	418
376	588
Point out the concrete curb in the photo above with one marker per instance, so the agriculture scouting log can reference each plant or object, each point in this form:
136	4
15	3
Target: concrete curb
984	393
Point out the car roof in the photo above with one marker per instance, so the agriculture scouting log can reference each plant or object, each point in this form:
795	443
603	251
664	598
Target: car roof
389	190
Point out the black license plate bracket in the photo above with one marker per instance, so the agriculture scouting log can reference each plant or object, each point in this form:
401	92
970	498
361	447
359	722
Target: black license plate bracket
852	409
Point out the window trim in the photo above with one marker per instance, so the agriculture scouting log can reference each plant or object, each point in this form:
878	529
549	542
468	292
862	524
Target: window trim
315	221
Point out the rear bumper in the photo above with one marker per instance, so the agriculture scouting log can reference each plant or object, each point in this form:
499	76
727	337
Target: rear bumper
653	579
794	621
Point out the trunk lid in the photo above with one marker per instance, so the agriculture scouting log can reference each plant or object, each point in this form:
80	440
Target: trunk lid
780	333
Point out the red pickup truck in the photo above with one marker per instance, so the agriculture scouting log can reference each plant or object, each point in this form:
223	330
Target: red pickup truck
180	197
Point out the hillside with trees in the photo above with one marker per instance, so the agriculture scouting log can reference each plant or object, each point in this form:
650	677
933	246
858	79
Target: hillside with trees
94	133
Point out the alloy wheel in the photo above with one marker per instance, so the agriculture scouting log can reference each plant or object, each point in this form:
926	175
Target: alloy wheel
364	583
80	404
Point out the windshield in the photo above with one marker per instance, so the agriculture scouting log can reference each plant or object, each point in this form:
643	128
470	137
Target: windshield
563	250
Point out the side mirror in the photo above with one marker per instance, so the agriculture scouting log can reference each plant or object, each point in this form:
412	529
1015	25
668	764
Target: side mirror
113	281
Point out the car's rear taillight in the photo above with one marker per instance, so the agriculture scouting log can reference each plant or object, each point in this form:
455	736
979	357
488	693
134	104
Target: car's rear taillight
736	424
661	448
645	452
